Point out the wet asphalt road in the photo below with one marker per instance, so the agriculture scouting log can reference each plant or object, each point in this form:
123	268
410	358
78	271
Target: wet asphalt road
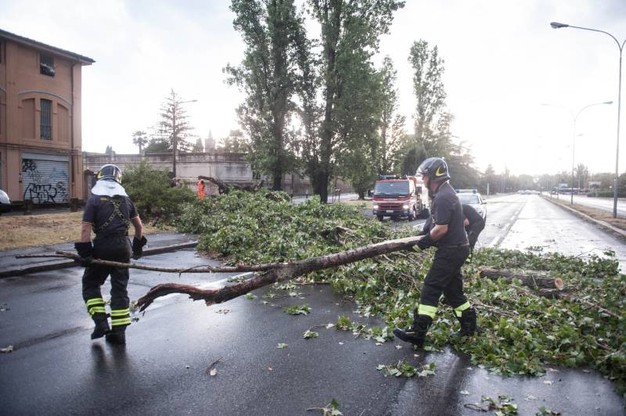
55	369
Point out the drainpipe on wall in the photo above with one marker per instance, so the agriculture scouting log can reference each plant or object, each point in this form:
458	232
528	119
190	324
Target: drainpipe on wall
73	197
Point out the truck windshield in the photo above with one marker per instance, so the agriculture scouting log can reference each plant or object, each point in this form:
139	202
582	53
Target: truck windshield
395	188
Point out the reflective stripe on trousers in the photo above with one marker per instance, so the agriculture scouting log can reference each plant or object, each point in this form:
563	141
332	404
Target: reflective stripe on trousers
120	317
95	306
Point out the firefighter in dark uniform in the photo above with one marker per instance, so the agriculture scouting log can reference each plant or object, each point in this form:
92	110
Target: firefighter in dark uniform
109	212
444	277
474	224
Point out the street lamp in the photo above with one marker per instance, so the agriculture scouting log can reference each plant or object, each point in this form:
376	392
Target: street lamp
557	25
175	132
574	119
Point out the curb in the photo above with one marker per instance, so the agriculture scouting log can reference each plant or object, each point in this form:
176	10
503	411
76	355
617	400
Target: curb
64	263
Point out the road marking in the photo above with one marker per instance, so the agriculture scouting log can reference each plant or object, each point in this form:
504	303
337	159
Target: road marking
498	240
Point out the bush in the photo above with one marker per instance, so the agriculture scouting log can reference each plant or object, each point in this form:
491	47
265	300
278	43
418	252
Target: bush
153	195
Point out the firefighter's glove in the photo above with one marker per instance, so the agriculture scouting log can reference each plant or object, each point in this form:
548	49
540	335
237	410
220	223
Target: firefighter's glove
138	246
85	251
425	242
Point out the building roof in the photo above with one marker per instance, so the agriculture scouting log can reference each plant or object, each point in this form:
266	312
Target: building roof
42	46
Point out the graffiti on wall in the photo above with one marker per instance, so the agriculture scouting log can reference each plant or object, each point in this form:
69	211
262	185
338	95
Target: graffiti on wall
44	182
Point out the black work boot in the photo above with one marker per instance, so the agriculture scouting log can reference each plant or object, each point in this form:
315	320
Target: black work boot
102	326
416	333
468	323
117	336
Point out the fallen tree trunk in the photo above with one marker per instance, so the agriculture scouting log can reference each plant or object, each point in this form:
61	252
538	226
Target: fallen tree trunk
266	274
281	272
224	188
534	279
180	270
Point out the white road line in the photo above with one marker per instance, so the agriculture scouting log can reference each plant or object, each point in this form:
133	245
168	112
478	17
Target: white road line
498	240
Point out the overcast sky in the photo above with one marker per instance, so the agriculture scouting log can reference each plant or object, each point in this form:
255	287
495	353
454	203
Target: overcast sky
514	84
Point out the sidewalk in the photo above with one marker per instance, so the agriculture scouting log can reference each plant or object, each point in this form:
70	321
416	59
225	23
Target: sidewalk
12	266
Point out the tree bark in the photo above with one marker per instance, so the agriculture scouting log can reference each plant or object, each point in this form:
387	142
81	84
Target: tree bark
281	272
269	273
534	279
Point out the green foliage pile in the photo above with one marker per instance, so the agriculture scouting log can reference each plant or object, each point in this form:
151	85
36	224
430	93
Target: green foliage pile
154	197
521	331
265	227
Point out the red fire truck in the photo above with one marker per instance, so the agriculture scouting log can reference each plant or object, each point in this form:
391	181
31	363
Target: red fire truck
399	197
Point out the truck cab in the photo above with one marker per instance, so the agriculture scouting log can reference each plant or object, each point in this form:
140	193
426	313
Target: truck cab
399	197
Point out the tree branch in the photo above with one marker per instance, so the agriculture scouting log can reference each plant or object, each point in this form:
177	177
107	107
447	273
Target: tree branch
280	272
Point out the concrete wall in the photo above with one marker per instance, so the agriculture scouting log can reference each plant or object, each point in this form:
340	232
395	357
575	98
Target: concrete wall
227	167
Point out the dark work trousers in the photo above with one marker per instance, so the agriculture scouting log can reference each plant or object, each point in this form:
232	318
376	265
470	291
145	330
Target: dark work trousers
445	277
115	248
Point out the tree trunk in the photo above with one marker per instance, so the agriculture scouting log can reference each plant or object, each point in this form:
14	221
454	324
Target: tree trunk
224	188
266	274
532	279
280	272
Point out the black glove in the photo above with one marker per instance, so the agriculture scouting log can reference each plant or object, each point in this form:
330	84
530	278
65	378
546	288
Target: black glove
85	251
425	242
138	246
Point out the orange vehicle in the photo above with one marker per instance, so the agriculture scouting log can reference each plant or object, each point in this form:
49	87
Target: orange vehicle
397	198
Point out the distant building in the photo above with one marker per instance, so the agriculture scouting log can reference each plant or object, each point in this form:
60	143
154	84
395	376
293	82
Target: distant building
40	121
229	167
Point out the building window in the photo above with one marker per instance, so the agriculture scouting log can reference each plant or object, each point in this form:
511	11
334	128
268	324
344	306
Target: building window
46	65
46	119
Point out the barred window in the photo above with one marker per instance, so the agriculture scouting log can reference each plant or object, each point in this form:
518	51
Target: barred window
46	119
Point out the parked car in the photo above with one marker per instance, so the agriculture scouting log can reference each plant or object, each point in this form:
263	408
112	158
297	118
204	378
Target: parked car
476	201
5	202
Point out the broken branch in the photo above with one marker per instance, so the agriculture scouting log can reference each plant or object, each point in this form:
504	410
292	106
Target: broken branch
281	272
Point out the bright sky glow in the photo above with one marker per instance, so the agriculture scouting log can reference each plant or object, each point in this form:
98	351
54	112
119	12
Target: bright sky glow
514	84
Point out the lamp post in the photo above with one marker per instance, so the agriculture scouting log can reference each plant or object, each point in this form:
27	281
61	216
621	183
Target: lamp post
574	119
175	105
557	25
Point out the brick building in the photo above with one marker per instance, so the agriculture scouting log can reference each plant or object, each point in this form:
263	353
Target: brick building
40	121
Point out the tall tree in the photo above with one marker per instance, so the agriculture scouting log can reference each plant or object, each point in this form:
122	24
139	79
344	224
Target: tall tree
345	25
268	75
428	87
430	96
140	139
198	147
235	142
358	113
392	133
174	128
581	176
